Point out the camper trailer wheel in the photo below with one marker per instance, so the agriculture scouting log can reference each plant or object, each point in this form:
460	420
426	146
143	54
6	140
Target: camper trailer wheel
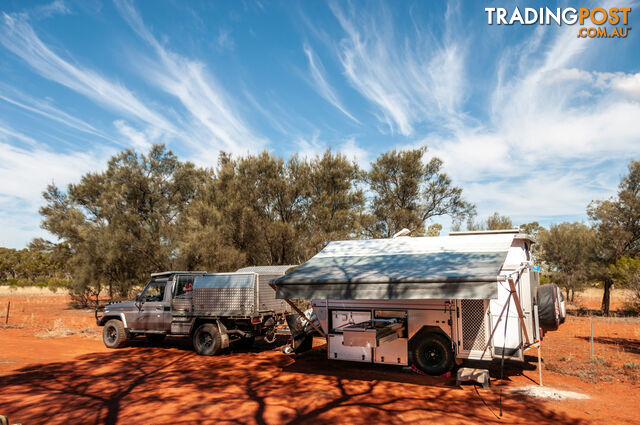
206	340
548	307
432	354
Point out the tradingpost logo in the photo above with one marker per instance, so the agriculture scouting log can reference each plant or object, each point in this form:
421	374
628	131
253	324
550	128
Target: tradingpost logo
592	21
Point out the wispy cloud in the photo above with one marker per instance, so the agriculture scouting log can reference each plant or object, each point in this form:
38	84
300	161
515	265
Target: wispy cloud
410	80
25	171
320	83
212	110
558	134
51	112
17	35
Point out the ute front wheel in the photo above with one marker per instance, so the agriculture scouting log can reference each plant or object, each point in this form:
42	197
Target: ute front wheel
206	340
113	334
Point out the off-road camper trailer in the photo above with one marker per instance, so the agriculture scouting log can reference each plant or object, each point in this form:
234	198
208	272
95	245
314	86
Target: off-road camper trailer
425	301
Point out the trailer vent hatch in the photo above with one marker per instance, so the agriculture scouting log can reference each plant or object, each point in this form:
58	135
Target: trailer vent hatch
473	325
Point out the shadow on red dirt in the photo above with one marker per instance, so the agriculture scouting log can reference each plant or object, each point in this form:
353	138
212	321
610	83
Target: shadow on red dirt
145	384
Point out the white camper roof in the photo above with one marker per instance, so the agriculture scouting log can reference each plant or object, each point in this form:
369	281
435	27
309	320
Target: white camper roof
460	267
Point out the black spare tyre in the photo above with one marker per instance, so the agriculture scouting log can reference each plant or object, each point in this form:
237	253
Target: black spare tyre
432	354
548	307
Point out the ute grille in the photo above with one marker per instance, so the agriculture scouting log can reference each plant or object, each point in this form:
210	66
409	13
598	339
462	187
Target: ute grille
473	325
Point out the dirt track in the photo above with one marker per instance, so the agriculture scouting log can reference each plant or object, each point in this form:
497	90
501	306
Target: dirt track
74	379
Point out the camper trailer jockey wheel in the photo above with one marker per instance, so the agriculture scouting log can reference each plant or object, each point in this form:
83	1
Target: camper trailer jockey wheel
432	354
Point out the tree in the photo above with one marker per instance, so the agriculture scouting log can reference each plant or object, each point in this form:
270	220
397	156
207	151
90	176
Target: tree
567	250
120	224
493	222
617	221
626	271
434	229
408	191
533	229
335	203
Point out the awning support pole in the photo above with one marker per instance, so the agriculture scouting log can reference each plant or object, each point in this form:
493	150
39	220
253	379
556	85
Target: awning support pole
540	362
297	310
516	299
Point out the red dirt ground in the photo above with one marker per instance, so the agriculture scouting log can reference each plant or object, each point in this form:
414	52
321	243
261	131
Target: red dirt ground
74	379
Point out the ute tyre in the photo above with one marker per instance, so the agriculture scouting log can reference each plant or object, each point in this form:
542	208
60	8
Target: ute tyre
155	338
432	354
207	340
548	307
114	334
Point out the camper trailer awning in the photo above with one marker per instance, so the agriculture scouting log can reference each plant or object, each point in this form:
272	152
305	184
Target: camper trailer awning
460	267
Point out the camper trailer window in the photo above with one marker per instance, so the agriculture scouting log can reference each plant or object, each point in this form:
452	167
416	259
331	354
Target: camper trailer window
526	251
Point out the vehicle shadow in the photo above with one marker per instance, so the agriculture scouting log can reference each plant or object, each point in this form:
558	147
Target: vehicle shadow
627	344
144	384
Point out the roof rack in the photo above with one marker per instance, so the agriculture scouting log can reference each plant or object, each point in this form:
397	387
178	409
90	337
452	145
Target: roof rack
171	272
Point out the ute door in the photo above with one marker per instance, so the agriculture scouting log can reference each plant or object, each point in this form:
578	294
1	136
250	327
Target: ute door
155	311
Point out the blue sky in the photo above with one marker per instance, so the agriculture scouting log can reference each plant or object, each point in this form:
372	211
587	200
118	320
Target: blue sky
532	121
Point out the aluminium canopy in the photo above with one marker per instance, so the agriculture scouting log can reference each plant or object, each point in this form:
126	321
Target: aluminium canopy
447	267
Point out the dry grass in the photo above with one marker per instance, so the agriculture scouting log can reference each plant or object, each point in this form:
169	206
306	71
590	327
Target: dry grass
11	326
31	291
59	330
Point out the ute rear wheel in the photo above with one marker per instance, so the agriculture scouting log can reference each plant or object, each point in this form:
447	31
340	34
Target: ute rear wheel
114	334
206	340
432	354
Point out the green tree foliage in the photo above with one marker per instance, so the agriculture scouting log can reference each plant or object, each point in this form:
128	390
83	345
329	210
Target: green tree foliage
567	251
407	191
334	201
121	224
626	272
493	222
617	221
434	229
151	212
37	265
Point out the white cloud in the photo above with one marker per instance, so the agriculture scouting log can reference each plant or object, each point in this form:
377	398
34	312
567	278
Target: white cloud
320	83
139	139
25	173
49	111
19	37
410	82
224	39
553	126
215	125
353	151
